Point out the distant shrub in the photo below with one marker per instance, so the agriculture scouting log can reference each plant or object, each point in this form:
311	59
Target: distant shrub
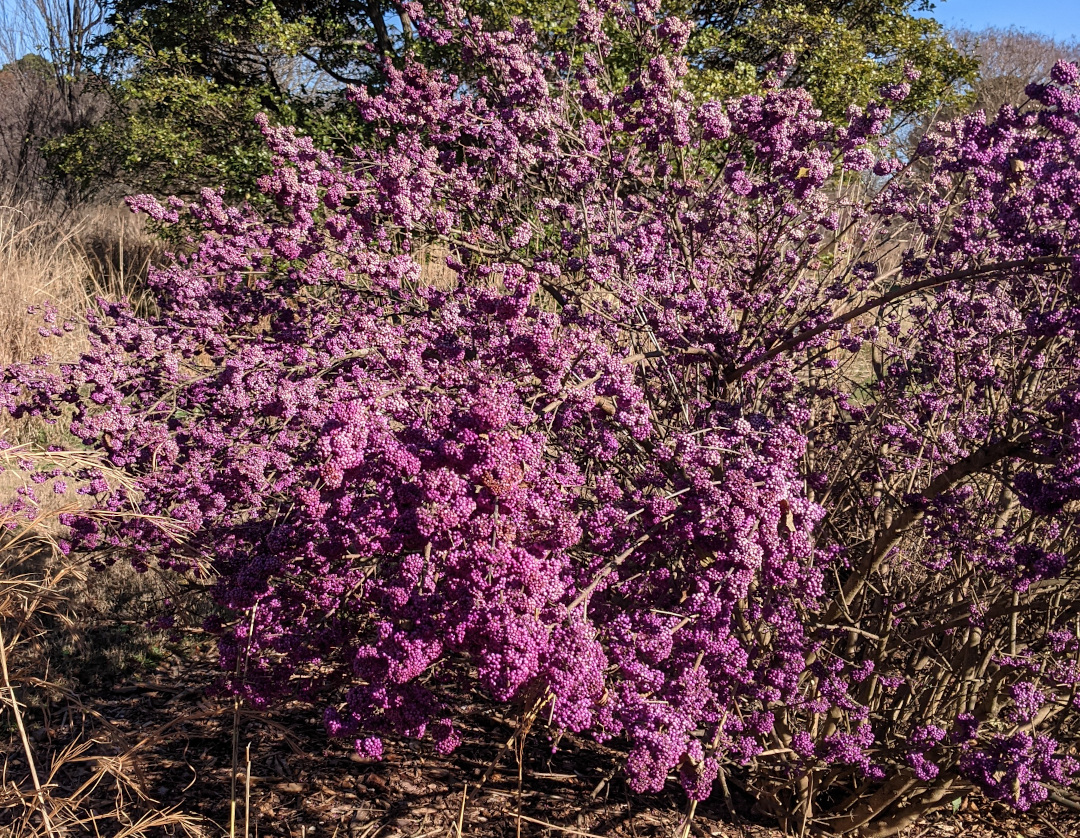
737	441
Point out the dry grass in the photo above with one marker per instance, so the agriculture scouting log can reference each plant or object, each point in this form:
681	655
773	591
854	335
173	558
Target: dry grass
37	267
90	783
71	778
64	260
433	269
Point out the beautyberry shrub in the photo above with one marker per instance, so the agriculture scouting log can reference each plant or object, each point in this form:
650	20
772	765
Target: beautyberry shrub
726	435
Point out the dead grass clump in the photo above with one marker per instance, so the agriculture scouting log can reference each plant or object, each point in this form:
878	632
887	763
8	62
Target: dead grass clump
64	771
63	261
118	251
433	268
38	266
66	261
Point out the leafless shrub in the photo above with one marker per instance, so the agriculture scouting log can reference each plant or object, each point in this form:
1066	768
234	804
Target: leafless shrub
36	107
1009	60
46	93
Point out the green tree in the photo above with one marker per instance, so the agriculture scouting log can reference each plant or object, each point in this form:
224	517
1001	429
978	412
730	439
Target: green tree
844	50
188	76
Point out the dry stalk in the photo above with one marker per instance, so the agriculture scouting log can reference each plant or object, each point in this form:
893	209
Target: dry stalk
38	793
241	674
31	601
461	812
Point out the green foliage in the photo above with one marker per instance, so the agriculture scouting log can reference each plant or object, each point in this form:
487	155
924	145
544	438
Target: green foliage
188	76
173	134
554	20
31	64
844	50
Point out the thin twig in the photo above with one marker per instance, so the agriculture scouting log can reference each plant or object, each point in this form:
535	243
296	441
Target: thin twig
38	793
558	828
461	814
247	789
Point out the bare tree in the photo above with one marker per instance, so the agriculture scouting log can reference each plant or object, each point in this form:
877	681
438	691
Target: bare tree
61	31
1009	60
47	88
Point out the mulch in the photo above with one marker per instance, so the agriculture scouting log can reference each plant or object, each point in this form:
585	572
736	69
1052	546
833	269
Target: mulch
174	738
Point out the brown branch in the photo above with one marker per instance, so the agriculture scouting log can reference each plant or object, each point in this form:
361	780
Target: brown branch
885	299
912	513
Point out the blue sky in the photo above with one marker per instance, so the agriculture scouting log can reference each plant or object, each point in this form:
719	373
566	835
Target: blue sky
1058	18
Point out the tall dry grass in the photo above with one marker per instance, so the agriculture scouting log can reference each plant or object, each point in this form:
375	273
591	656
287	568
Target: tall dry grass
65	259
54	785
